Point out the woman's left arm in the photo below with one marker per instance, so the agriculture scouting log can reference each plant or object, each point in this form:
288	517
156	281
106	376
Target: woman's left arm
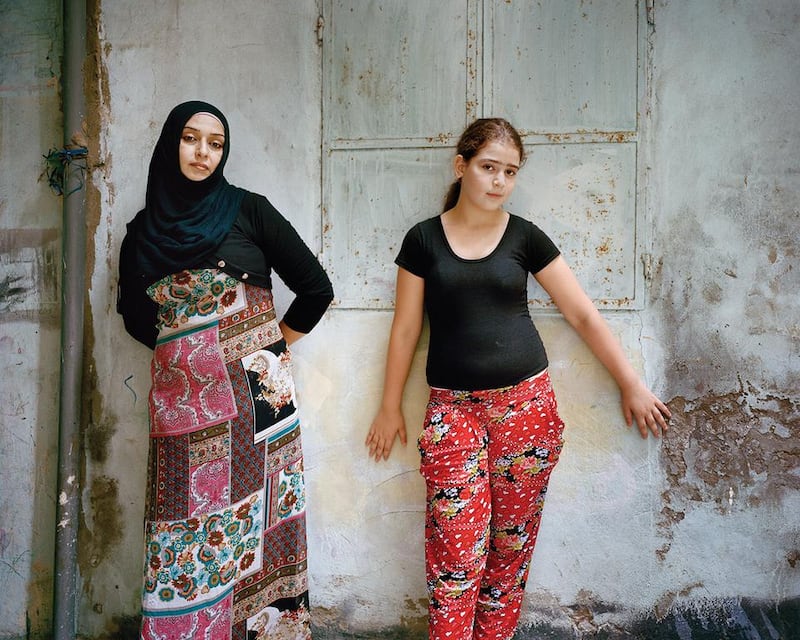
639	404
297	266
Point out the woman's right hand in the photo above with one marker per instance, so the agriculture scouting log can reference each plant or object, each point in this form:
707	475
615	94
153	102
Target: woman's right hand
387	425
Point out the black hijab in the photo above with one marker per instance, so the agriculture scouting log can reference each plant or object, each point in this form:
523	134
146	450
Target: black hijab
183	221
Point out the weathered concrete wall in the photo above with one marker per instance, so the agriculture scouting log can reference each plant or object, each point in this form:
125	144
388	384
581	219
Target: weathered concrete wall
30	238
639	538
725	203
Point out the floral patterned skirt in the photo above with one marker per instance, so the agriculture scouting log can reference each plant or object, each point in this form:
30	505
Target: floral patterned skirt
225	532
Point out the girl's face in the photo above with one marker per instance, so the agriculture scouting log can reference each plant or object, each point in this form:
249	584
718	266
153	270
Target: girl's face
201	146
488	179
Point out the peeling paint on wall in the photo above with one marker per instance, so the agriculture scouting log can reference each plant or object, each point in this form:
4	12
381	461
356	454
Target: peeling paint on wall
30	61
741	437
734	451
29	273
103	520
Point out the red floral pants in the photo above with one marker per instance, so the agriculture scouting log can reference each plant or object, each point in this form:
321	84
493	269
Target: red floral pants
486	460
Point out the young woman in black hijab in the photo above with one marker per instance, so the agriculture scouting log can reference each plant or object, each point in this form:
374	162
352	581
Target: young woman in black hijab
225	542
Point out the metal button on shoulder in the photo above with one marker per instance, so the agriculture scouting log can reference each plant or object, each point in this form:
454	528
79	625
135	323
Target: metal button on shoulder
245	276
221	264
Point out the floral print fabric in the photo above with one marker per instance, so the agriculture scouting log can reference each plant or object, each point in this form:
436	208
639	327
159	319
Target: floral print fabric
486	459
225	537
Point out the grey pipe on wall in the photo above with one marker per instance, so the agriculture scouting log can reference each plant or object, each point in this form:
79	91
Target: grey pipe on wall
73	291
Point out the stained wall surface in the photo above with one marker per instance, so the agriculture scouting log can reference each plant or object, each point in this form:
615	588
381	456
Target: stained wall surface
725	201
700	528
30	249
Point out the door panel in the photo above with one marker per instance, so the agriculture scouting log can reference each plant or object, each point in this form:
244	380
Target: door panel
558	67
397	69
379	194
401	80
584	197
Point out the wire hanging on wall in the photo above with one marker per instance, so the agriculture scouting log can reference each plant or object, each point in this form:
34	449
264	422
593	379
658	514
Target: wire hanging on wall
56	163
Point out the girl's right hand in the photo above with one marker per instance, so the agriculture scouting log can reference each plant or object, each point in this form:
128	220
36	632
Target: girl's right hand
386	426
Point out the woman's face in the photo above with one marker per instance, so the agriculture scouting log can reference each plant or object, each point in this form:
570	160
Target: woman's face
201	146
488	179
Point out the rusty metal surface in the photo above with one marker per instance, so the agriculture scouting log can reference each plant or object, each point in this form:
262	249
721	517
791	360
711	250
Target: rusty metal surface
396	95
561	68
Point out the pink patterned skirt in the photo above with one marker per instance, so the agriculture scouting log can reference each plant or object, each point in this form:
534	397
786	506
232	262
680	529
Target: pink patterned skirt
225	532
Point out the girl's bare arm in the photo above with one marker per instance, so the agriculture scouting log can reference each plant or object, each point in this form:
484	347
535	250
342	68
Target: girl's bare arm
639	404
406	328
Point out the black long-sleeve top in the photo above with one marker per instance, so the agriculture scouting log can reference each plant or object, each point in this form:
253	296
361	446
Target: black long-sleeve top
261	240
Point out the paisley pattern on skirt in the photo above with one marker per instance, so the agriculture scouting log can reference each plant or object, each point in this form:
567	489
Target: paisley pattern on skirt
225	535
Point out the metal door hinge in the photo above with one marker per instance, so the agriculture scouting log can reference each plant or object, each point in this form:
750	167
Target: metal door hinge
647	266
320	29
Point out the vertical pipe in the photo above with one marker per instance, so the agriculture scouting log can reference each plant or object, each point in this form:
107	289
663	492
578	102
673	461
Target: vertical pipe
72	318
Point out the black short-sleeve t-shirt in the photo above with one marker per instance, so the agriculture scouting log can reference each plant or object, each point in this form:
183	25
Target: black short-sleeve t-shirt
482	335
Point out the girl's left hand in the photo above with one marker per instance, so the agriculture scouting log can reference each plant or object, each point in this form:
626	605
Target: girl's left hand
639	404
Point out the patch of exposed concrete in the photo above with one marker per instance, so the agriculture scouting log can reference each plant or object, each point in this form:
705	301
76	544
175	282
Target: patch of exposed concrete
734	451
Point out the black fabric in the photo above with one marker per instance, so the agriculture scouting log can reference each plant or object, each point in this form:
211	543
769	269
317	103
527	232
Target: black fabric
138	310
260	240
481	332
183	220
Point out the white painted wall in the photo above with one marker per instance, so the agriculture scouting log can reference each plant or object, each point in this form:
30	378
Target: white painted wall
707	515
603	524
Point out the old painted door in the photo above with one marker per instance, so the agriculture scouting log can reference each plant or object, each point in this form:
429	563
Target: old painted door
401	80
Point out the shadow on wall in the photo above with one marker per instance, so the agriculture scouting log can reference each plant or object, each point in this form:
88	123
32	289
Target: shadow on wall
728	620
